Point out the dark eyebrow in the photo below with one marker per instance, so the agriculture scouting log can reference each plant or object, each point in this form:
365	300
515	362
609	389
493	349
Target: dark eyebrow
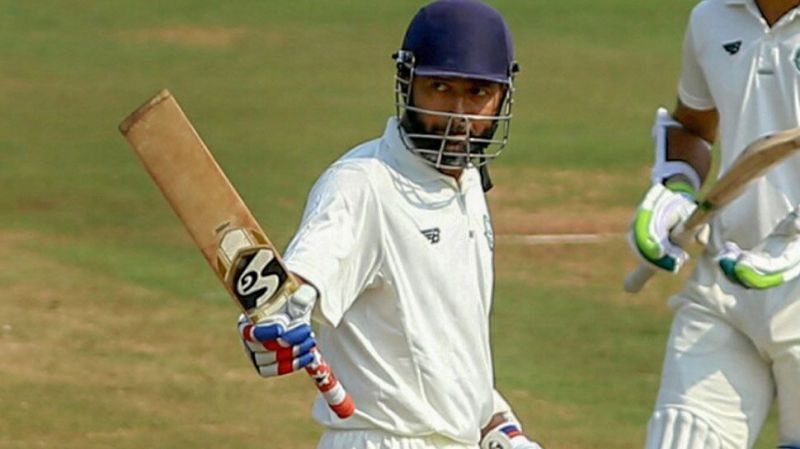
441	79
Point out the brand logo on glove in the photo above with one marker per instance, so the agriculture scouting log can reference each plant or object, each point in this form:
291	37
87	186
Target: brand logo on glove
256	278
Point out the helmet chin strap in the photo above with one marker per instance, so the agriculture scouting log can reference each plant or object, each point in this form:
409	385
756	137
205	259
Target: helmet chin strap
486	181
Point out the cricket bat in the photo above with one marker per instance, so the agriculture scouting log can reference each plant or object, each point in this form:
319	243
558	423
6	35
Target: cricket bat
222	226
753	162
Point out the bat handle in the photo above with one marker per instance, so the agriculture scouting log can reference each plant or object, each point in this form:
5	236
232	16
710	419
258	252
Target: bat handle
338	399
636	279
682	235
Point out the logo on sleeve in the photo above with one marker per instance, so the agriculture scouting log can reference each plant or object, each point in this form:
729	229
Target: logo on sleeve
732	47
431	234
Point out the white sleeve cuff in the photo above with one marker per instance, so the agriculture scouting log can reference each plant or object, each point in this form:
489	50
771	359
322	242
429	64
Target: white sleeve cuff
323	311
693	101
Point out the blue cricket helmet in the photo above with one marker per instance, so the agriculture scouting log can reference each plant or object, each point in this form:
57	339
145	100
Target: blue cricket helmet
463	38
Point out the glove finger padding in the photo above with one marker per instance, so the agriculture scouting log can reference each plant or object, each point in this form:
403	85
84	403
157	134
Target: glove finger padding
295	333
284	354
284	342
291	362
659	213
275	351
267	330
773	262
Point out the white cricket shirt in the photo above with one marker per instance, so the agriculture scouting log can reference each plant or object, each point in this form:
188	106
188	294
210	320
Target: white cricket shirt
734	62
402	257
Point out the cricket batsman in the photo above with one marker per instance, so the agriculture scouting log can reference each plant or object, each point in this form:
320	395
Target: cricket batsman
735	338
395	250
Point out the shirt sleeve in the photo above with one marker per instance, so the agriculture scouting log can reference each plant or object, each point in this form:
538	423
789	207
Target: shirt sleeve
693	90
337	246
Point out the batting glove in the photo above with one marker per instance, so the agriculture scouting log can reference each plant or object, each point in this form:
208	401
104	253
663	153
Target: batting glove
283	342
507	435
662	209
773	262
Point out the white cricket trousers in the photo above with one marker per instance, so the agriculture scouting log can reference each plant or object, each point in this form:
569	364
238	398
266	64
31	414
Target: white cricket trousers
375	439
730	352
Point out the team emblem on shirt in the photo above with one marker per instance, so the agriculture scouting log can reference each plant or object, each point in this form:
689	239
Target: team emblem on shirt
488	231
432	234
732	47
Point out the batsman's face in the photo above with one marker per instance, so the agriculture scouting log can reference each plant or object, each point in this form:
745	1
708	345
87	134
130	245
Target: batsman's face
457	96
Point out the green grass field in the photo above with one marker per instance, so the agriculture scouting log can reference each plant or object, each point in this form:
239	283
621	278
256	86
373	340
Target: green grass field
113	332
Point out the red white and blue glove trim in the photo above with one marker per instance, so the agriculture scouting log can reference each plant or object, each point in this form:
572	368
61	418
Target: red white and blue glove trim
507	435
284	342
275	349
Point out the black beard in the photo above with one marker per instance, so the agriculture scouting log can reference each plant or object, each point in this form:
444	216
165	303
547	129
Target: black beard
413	124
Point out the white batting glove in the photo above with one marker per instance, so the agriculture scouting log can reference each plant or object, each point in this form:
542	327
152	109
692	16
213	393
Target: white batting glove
284	342
507	435
660	211
773	262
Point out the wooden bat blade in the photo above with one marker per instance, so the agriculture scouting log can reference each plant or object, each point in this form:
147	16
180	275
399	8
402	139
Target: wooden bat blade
230	239
207	203
754	161
186	173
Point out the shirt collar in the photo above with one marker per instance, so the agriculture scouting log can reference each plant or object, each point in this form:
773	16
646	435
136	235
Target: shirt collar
751	4
413	167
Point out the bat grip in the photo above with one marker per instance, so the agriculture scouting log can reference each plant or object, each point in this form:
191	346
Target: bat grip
681	236
338	399
636	279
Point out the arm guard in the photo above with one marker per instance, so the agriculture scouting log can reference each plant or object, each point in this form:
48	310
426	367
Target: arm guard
665	168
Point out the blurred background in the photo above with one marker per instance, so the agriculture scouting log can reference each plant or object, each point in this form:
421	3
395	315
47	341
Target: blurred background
114	332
